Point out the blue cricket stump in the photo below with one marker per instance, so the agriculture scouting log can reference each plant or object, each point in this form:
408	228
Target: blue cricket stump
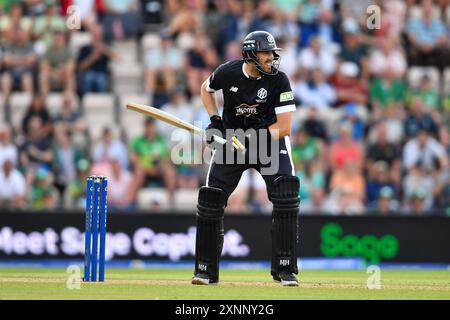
96	211
103	210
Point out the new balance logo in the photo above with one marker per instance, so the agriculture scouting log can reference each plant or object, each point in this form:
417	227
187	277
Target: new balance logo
284	262
234	89
283	152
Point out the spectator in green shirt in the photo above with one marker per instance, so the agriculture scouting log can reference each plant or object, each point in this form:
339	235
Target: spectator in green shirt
426	93
45	25
305	147
150	157
43	193
387	91
77	187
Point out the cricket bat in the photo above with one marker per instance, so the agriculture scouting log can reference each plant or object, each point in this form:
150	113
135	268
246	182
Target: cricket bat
179	123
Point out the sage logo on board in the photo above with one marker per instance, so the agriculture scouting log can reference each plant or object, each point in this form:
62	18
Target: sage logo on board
369	247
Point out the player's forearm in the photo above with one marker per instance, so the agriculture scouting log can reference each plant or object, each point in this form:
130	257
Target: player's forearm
282	127
278	131
209	101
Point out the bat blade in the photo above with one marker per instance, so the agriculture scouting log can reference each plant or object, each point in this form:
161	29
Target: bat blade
177	122
165	117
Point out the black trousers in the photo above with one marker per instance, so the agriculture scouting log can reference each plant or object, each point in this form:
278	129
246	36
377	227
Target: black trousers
226	176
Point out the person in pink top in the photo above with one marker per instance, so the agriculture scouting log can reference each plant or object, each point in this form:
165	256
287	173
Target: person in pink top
344	150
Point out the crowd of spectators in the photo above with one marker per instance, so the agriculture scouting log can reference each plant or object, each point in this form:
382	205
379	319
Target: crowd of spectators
368	137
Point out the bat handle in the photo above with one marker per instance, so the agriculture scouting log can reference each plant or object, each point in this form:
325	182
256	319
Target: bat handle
219	139
234	141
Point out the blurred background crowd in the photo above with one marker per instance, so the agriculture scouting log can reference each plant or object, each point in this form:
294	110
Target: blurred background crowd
371	131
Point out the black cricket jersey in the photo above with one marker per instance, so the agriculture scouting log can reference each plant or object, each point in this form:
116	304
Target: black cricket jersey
250	102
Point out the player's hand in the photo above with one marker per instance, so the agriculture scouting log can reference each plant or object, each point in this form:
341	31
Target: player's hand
216	127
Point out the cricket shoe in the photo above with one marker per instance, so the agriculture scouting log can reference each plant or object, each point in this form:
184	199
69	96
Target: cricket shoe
287	278
203	279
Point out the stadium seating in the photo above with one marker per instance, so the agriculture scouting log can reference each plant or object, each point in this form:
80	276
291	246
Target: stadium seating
186	200
127	51
19	103
416	12
446	82
132	122
78	40
153	197
99	111
54	102
149	40
415	73
127	77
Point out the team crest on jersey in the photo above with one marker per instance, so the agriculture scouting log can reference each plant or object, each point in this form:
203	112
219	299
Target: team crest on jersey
262	93
246	110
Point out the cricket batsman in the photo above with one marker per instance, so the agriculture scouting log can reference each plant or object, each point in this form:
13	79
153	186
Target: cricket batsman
257	99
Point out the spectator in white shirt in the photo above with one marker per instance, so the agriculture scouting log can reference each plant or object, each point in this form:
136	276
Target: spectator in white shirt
7	149
109	147
315	56
315	91
413	184
12	185
388	57
165	60
426	151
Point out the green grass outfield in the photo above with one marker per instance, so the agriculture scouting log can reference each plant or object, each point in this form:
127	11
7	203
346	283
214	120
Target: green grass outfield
171	284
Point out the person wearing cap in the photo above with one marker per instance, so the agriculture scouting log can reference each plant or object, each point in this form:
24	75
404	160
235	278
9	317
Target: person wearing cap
386	202
43	193
349	88
415	179
379	177
416	202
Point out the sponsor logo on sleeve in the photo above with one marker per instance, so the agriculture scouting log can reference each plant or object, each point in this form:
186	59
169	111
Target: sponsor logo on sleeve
286	96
